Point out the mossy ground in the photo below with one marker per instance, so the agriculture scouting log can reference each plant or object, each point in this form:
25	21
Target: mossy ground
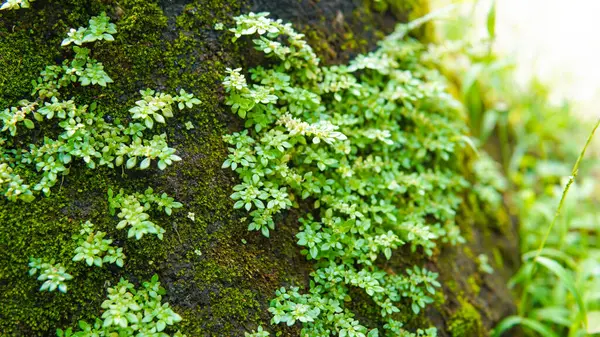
168	45
223	291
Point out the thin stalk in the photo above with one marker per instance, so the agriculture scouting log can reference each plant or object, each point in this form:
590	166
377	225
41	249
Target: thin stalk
566	190
574	173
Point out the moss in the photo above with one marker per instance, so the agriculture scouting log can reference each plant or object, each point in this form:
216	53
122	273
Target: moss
19	66
439	299
466	322
164	45
337	32
469	253
223	292
474	286
451	284
406	10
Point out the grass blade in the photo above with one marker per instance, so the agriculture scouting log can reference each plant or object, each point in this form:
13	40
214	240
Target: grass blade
566	279
512	321
556	315
552	253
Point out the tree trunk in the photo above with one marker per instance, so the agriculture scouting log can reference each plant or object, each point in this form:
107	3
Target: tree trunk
218	276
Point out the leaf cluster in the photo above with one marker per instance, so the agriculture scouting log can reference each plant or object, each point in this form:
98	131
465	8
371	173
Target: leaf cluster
53	275
133	211
372	145
128	311
94	249
15	4
84	134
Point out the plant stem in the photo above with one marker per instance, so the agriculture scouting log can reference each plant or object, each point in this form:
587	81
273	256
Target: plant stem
566	190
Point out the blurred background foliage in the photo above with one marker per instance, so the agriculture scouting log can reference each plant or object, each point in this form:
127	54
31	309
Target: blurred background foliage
537	142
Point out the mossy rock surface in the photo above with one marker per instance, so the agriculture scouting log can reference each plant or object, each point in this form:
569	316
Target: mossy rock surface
225	290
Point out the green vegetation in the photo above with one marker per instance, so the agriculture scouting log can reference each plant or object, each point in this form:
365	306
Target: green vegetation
85	134
225	278
53	275
133	208
371	166
466	322
413	286
15	4
542	152
373	146
94	249
130	312
557	282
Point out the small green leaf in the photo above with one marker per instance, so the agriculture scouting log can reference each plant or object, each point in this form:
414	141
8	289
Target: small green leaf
159	118
145	163
131	162
29	123
160	325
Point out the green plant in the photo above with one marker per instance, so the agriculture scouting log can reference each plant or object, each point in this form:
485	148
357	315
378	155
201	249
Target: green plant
15	4
258	333
158	106
13	186
94	249
372	145
84	134
100	28
130	312
53	275
133	207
